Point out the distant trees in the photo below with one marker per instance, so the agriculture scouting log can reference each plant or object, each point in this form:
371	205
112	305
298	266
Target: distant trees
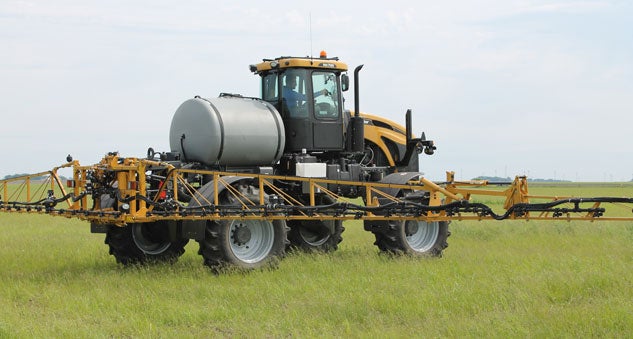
508	179
493	179
21	174
43	177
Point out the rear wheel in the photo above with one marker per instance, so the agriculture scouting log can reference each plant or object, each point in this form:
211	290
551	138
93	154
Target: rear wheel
141	243
316	235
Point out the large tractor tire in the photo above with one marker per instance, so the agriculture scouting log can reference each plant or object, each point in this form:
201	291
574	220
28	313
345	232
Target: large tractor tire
242	244
412	237
316	235
142	243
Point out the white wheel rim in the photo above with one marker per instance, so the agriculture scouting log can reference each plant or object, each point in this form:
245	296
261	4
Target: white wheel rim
257	245
425	237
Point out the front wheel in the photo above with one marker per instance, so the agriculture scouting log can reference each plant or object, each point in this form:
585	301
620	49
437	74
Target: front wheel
411	237
316	235
243	244
142	243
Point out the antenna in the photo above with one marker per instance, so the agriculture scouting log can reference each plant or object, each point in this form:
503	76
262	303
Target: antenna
310	21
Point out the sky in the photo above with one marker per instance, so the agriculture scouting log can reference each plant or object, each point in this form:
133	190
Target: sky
504	88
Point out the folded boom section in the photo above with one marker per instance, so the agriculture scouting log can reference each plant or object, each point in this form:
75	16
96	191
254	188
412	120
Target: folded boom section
132	190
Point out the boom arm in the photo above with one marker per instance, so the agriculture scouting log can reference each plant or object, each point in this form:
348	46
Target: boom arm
125	179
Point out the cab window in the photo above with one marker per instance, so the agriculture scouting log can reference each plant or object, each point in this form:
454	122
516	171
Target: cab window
269	88
325	88
293	94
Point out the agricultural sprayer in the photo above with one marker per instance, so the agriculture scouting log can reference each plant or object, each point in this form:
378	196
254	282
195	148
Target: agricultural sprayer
248	178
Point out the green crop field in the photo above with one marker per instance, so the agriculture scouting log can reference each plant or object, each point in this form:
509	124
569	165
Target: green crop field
496	279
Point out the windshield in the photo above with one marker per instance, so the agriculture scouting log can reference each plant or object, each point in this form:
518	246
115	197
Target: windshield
295	95
326	101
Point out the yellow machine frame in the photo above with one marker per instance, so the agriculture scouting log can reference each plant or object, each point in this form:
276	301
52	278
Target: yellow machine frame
448	201
375	134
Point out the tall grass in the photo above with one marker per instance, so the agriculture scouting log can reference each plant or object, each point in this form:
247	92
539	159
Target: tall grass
497	279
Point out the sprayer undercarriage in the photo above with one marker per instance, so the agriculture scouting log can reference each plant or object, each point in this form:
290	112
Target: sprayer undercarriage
150	209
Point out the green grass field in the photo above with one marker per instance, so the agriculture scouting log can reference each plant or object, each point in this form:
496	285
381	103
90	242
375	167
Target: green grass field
496	279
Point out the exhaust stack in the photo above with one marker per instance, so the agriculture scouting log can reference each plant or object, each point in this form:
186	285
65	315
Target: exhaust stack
358	124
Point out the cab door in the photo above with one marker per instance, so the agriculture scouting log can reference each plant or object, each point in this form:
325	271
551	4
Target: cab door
296	110
327	121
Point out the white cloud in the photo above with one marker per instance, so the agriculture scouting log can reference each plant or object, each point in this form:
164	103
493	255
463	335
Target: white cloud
484	78
565	7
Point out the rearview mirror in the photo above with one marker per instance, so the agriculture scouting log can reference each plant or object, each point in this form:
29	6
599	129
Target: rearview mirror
344	82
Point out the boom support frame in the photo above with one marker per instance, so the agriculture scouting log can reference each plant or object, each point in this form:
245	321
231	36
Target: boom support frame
126	181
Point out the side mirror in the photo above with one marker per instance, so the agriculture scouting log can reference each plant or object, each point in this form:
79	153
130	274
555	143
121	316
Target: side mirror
344	82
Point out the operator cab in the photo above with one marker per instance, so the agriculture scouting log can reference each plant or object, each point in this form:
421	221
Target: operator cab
307	94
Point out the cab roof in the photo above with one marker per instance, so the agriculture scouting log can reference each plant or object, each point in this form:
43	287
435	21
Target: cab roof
299	62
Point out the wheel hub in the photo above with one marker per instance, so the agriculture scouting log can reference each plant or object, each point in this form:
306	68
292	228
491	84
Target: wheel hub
241	235
149	238
251	240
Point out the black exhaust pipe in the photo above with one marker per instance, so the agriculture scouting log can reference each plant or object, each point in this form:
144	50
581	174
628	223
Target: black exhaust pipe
358	124
409	127
356	91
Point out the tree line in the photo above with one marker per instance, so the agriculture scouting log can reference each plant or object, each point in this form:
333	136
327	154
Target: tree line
42	177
